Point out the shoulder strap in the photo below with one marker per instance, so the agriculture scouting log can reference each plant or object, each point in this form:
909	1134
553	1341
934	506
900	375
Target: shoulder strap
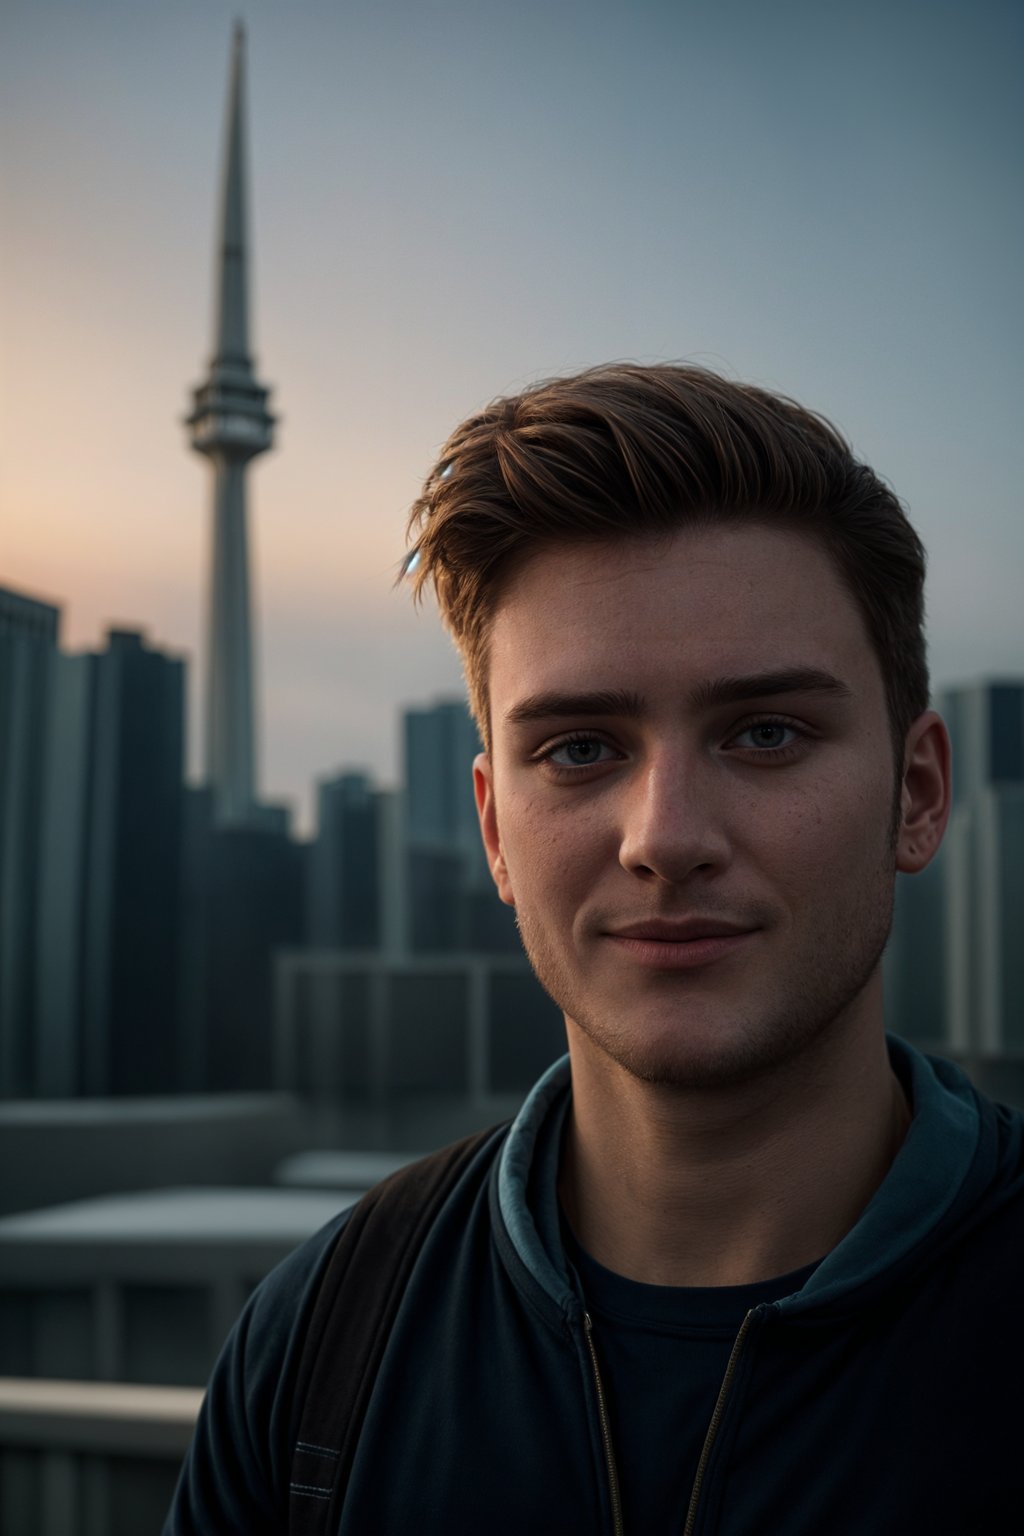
350	1324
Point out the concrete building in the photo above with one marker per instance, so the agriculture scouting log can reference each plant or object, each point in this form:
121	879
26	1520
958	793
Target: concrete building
28	644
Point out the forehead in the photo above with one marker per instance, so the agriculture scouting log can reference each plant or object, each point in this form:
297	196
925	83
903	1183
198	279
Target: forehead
669	613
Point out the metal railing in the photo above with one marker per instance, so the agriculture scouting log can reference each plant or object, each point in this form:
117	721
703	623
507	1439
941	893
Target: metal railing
83	1458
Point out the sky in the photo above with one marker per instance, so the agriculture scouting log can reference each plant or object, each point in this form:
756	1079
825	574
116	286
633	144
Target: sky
448	200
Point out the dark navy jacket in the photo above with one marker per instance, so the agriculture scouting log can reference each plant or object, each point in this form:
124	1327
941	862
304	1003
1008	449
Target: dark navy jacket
525	1389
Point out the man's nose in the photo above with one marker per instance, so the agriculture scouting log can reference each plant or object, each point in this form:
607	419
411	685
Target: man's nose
673	818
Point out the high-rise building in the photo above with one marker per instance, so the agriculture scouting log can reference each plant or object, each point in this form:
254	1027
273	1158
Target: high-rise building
230	424
986	727
984	891
345	885
999	1002
28	646
954	969
453	903
439	745
916	1003
242	899
109	873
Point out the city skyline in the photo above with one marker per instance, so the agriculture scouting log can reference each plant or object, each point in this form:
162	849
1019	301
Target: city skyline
400	284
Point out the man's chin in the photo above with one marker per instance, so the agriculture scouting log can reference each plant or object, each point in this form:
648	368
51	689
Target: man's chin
704	1053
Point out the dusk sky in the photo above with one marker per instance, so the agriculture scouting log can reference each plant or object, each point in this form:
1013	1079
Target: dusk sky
447	201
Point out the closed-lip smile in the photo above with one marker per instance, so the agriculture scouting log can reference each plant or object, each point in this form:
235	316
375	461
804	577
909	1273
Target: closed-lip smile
683	931
689	944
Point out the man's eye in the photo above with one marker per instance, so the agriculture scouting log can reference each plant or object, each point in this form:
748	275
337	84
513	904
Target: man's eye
765	736
578	751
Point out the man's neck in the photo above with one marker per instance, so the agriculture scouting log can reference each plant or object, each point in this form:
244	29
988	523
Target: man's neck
680	1188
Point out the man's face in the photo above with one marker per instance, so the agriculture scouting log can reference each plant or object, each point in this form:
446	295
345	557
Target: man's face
769	810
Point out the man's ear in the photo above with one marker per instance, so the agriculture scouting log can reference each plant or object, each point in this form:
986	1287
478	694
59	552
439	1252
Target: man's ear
483	789
927	795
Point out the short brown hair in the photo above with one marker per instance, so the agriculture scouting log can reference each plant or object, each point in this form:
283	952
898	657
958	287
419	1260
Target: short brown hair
625	451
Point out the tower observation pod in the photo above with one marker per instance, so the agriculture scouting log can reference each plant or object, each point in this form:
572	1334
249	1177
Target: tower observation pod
230	424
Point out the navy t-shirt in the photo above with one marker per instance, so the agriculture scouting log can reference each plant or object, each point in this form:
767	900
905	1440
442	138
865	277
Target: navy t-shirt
662	1352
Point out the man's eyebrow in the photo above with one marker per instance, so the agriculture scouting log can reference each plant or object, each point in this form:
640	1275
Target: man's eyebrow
544	706
720	690
733	690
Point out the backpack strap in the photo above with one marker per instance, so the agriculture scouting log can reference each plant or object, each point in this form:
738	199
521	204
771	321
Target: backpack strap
351	1321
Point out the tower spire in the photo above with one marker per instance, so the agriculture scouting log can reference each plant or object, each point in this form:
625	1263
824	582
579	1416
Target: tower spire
232	339
230	424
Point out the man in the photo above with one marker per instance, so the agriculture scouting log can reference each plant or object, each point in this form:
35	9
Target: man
744	1262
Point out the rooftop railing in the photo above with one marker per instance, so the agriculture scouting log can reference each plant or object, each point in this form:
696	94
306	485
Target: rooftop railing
84	1458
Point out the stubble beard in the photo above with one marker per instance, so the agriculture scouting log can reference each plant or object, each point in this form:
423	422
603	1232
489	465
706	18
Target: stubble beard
818	984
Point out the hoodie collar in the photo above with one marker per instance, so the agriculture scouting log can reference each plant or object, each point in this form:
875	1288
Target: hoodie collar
918	1191
527	1184
922	1183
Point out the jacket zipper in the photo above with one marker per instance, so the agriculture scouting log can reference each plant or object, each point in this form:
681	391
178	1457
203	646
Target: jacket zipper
606	1434
709	1438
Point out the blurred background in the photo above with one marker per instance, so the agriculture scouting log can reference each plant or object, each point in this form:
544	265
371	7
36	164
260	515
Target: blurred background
251	957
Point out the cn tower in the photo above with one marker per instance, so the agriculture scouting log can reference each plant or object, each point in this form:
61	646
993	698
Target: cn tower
230	424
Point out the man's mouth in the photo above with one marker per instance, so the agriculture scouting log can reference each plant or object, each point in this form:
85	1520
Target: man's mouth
681	929
702	947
